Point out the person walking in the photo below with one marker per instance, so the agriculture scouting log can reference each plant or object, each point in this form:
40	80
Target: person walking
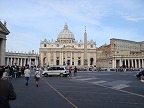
70	69
27	74
37	76
75	71
6	91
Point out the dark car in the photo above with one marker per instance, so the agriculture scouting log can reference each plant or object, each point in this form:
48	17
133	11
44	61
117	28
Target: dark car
139	74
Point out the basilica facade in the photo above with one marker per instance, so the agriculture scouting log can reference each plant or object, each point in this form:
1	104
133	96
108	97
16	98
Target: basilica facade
67	51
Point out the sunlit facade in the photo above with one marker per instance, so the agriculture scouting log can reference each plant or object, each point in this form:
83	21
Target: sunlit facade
67	51
121	53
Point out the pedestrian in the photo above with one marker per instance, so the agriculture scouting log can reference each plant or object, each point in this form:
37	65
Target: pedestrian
11	71
6	91
22	70
70	69
15	72
27	74
37	76
75	71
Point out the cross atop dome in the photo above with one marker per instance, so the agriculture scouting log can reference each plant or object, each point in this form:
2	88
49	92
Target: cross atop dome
66	26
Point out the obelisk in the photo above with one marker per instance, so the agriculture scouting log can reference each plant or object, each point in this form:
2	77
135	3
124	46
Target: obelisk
85	49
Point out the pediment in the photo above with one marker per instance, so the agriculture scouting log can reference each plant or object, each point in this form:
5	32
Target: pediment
3	28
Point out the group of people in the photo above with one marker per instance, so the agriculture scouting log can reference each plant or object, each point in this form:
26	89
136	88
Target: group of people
70	71
14	71
27	74
6	88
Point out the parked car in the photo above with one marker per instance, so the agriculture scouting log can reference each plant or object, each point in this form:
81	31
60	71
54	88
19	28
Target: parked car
139	74
56	70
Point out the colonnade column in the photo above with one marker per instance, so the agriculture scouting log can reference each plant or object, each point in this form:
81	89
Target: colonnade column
54	62
113	63
24	61
7	60
142	63
135	63
132	62
62	58
36	61
21	61
71	58
128	63
139	62
2	52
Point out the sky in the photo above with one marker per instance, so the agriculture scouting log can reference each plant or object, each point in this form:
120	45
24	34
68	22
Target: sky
32	21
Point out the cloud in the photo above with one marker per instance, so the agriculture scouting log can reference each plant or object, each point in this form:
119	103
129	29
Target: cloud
83	10
131	18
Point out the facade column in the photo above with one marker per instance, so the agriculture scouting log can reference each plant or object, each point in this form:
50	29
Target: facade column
120	62
14	60
24	61
71	58
65	58
139	60
62	58
11	61
36	62
113	63
21	61
142	63
18	61
54	62
29	61
50	57
132	63
135	63
128	63
2	52
8	61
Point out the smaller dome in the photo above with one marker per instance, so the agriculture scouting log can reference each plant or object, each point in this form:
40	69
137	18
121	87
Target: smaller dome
65	33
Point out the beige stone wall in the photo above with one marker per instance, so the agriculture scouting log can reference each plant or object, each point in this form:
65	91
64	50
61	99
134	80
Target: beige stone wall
72	52
121	52
21	59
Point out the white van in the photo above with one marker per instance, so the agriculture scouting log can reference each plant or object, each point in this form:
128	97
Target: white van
56	70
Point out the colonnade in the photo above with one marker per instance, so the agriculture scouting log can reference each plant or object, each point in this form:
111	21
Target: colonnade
21	61
129	63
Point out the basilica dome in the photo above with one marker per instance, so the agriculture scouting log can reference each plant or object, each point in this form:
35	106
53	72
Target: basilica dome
65	33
